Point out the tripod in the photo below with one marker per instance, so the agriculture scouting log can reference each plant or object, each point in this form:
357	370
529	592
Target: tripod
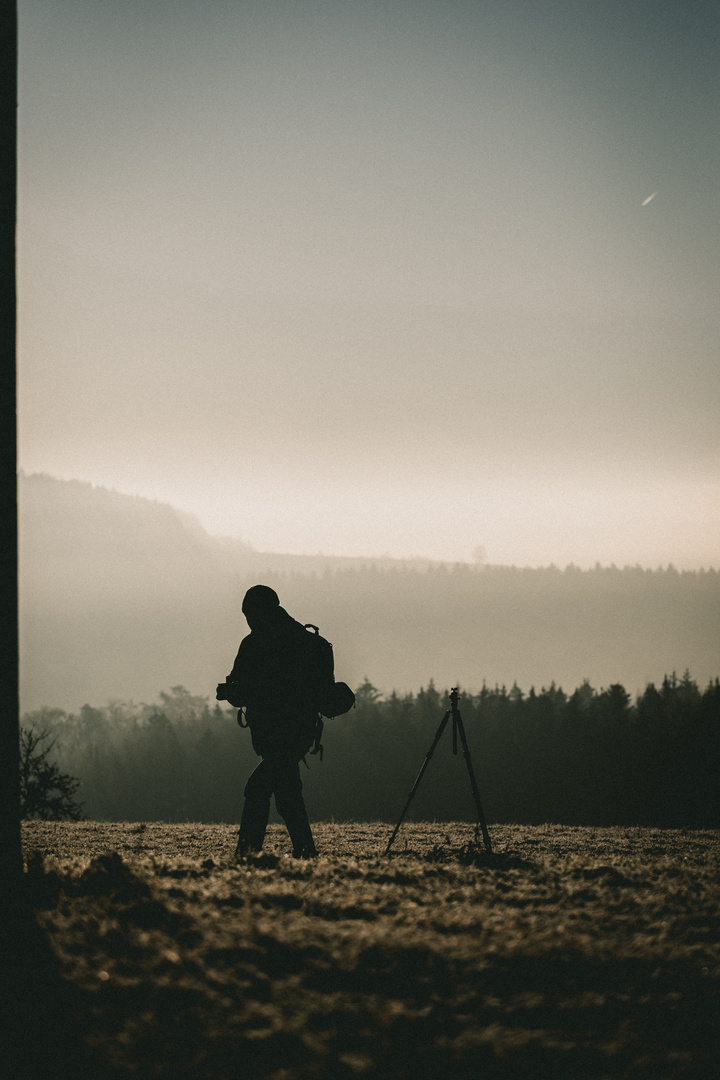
457	727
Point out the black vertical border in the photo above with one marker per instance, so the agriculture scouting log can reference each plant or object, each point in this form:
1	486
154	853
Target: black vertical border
10	848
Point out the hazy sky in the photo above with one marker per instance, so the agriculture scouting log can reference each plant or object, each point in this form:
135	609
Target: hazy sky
359	277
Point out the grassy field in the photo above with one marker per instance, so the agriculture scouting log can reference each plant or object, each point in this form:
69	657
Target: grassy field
579	953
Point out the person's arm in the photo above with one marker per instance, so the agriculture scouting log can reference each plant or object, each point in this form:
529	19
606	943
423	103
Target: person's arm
234	689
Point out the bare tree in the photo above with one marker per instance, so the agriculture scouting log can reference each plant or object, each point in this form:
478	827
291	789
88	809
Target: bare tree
45	792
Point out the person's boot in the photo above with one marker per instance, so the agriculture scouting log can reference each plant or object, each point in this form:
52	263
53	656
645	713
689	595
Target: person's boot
307	851
253	824
301	835
245	848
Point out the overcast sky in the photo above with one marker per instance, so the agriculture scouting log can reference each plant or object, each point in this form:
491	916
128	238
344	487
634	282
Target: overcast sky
361	277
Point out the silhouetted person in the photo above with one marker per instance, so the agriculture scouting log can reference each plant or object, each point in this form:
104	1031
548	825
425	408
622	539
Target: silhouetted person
273	678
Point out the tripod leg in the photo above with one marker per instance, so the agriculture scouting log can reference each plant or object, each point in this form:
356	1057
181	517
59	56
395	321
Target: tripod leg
473	784
419	777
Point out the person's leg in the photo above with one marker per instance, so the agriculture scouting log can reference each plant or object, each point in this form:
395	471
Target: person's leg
291	807
256	809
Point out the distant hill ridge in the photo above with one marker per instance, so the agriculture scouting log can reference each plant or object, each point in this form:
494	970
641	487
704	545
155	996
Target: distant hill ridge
122	597
75	515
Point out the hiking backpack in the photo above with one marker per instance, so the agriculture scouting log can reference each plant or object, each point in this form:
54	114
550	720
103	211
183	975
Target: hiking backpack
331	698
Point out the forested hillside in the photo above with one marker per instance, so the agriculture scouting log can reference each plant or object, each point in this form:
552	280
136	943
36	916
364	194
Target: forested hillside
121	596
589	757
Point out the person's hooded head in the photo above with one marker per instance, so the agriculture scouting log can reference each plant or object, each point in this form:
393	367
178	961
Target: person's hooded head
260	606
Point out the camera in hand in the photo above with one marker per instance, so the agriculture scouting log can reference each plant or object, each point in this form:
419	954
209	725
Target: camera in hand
230	692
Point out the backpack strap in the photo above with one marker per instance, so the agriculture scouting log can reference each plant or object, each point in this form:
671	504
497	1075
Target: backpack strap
318	747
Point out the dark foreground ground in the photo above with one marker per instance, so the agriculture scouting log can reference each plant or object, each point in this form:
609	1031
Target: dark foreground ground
578	953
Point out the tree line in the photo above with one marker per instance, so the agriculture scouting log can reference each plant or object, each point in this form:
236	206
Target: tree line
586	758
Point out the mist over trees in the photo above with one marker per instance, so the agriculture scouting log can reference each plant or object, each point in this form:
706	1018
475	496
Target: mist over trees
589	757
121	596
